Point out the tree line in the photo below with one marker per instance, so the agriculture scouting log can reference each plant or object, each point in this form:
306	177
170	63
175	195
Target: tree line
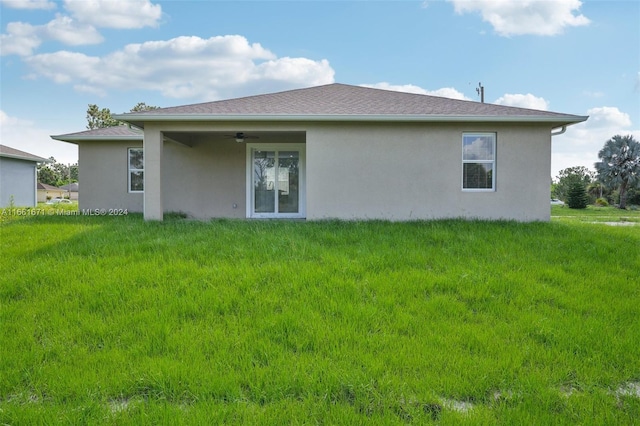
101	117
616	179
59	174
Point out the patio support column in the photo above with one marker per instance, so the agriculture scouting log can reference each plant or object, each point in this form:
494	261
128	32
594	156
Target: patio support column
153	147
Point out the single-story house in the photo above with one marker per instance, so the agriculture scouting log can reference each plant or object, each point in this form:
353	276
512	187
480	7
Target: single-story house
18	177
72	188
48	192
332	151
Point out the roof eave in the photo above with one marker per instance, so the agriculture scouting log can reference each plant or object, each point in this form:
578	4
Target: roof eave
80	138
20	157
140	119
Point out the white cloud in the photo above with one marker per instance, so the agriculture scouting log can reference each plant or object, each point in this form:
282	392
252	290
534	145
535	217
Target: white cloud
537	17
445	92
448	92
79	28
579	146
64	67
184	67
5	120
64	29
607	117
20	39
26	136
115	13
29	4
406	88
523	101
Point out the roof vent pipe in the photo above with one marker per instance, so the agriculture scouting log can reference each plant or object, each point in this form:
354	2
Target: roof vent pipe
480	91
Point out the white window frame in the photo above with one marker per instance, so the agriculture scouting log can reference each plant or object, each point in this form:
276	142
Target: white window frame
302	200
494	135
130	169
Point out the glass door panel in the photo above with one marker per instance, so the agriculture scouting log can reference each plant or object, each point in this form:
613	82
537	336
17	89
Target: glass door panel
264	185
288	181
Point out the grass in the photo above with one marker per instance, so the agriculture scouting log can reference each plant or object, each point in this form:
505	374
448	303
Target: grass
595	214
111	320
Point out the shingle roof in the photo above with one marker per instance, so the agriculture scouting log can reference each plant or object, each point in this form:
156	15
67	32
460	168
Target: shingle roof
7	151
71	187
332	102
336	100
49	187
105	133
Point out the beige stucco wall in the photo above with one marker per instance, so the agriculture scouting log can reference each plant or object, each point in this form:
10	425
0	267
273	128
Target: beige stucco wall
414	171
353	171
103	174
205	180
208	178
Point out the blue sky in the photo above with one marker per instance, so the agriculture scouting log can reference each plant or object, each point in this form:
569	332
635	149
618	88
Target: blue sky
560	55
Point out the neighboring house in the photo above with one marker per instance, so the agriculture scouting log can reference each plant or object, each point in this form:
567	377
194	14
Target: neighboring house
72	188
18	177
48	192
333	151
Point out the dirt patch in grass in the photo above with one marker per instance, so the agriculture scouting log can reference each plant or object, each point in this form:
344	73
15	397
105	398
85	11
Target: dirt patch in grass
456	405
629	389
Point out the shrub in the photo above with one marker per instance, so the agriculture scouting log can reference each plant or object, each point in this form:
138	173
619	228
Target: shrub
633	196
577	197
602	202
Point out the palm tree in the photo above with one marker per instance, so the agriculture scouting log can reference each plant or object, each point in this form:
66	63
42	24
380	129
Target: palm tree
595	189
619	164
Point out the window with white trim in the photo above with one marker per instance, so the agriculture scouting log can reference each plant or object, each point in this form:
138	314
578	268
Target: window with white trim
136	170
478	161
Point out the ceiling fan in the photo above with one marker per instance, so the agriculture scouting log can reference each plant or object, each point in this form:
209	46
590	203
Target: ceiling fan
240	137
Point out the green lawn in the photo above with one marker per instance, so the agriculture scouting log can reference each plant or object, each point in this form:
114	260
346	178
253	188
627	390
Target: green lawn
111	320
595	214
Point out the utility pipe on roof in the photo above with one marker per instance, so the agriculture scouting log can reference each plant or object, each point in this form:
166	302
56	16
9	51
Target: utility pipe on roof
559	132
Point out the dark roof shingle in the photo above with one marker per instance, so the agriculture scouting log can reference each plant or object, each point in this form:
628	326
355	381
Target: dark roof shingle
341	99
107	133
331	102
7	151
49	187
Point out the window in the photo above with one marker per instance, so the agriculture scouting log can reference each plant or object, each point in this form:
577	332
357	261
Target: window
136	170
478	161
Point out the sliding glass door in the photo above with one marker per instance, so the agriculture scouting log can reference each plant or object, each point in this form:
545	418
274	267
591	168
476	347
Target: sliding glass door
276	185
